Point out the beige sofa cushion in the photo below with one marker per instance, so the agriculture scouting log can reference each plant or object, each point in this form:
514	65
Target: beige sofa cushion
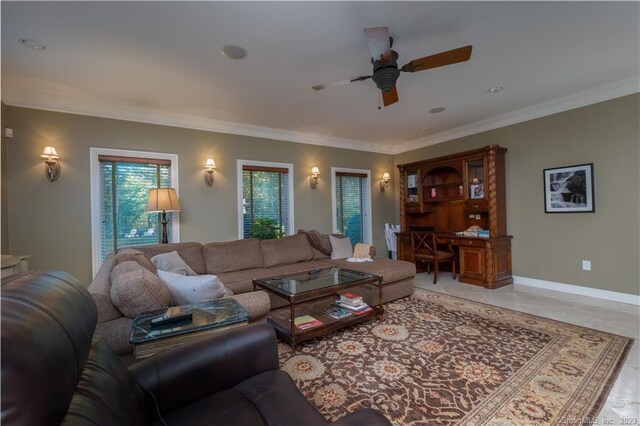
294	268
286	250
256	303
191	253
317	254
390	270
242	281
232	256
127	254
135	289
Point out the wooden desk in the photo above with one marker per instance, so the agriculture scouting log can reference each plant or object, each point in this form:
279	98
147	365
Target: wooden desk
484	262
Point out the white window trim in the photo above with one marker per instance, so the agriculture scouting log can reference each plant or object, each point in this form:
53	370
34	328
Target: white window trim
288	166
367	207
94	170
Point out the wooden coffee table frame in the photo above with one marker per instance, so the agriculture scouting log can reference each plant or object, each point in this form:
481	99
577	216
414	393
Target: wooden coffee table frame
313	302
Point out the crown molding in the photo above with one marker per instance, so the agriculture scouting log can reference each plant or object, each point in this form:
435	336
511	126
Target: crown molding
56	103
53	102
588	97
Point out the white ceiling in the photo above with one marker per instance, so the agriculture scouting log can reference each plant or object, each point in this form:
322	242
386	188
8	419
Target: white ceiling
161	62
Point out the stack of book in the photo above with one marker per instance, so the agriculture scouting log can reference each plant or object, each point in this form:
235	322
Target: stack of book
306	321
354	303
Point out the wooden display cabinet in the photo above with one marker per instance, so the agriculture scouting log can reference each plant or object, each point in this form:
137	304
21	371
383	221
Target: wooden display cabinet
452	193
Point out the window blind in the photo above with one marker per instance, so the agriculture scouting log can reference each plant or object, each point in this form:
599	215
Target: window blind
265	194
351	202
124	188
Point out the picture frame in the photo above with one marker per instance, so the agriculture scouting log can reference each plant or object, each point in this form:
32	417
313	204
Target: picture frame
569	189
477	191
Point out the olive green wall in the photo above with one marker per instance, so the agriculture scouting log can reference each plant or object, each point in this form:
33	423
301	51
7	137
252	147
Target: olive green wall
52	221
551	247
4	226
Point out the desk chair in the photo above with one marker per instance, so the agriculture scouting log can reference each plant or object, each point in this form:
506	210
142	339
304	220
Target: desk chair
425	250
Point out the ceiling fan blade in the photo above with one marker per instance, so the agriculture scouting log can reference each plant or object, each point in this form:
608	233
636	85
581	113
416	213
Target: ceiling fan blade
379	45
341	82
390	97
449	57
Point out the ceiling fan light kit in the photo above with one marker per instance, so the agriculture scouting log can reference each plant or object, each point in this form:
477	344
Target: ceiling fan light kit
385	64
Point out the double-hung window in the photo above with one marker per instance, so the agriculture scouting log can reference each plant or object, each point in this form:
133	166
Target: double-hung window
265	191
120	184
351	192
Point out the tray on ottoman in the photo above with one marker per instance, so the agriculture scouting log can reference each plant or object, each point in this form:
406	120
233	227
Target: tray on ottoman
207	318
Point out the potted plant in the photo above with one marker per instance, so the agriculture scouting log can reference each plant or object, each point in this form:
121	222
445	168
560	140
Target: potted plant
265	229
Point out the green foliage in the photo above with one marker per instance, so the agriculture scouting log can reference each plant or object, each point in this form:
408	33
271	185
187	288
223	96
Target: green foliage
265	229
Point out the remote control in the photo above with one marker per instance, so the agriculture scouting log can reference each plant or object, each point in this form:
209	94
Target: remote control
170	319
314	271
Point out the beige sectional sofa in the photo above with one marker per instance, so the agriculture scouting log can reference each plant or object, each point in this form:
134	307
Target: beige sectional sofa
237	263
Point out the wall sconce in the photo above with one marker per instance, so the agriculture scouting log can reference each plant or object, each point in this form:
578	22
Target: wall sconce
313	180
384	181
209	169
52	166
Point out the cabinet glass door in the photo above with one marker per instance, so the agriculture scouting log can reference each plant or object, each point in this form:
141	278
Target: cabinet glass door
412	187
475	179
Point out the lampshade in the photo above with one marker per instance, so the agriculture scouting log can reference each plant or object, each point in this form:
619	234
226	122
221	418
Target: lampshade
49	152
315	171
211	164
163	199
385	176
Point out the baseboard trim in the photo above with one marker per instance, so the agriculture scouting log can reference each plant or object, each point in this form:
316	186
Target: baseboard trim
614	296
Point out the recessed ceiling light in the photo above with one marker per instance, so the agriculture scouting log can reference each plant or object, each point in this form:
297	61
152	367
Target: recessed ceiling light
437	110
31	44
495	89
234	52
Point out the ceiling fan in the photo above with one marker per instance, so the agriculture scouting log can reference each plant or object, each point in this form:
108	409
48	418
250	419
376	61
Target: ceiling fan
385	63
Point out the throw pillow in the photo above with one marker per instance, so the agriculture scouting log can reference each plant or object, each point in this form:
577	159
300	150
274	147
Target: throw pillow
361	251
199	288
135	290
318	241
127	254
340	247
172	262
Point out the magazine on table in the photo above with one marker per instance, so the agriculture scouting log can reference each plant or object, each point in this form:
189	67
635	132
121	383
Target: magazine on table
336	312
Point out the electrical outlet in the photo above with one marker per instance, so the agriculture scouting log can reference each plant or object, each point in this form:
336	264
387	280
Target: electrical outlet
586	265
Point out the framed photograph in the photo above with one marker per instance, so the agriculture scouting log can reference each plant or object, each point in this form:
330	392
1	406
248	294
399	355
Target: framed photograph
569	189
477	191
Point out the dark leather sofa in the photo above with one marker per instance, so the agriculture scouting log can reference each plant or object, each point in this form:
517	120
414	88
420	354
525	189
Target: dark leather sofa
54	370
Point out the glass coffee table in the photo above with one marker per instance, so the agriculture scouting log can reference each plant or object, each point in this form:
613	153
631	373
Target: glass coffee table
312	293
207	318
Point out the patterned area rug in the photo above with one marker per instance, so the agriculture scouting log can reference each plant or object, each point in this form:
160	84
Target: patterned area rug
438	359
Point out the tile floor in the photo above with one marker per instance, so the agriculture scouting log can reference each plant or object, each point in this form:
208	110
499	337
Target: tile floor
623	403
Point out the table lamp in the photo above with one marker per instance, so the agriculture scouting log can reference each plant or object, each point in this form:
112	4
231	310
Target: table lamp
163	200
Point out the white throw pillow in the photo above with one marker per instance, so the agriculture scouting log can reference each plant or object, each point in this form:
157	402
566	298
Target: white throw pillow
193	289
172	262
340	247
